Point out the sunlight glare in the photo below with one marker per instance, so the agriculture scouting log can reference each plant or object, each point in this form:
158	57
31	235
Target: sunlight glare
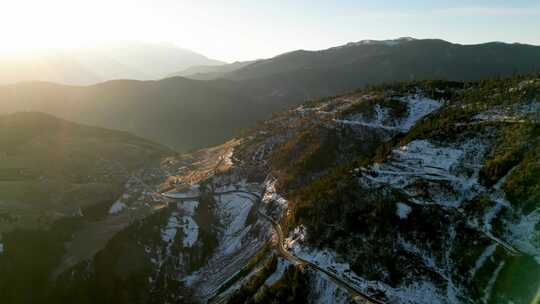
30	25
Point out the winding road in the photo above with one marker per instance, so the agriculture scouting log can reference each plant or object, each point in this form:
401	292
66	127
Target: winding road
357	295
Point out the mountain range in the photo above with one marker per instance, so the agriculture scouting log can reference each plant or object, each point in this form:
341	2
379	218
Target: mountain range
191	113
209	72
95	64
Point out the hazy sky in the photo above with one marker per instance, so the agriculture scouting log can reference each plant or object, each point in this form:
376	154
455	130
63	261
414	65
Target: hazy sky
241	30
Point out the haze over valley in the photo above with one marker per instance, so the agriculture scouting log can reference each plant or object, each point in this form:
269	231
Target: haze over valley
92	65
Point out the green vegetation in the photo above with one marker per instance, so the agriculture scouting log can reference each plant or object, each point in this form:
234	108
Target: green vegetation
517	140
52	165
518	281
28	260
308	153
430	87
512	145
120	272
254	283
292	288
523	186
208	242
117	274
49	168
344	216
398	109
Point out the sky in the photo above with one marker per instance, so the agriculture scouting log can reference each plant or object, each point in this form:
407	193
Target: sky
235	30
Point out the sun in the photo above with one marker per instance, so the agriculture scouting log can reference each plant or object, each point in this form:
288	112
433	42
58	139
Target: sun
29	25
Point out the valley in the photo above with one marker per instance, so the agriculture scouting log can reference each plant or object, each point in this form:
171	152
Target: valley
269	152
420	192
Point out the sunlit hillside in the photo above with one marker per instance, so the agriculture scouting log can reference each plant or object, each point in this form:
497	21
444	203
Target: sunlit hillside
264	152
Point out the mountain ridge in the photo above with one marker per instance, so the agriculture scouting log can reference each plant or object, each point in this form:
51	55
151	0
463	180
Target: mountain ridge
132	60
219	107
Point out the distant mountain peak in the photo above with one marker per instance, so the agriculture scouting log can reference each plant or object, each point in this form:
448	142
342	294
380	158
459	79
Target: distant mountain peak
408	38
388	42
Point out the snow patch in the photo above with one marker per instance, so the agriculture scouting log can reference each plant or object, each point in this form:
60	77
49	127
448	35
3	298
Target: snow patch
423	160
237	241
188	207
325	291
488	252
513	113
187	224
378	122
491	283
418	107
448	176
388	42
271	195
169	232
428	260
443	269
524	236
233	210
421	292
117	207
403	210
242	186
296	236
191	231
274	277
227	158
418	292
500	201
80	213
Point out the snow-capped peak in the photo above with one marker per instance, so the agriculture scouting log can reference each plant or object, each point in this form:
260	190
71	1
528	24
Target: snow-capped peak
387	42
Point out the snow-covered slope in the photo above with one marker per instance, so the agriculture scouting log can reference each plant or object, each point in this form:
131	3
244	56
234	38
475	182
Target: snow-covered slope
415	193
434	178
417	106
